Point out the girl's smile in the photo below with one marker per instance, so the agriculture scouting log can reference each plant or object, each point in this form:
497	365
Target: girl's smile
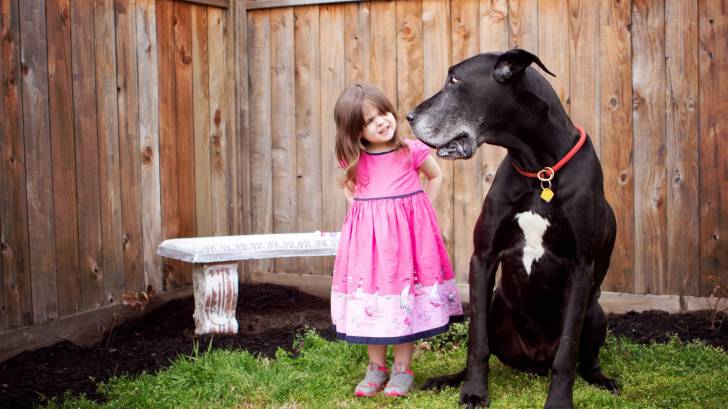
378	129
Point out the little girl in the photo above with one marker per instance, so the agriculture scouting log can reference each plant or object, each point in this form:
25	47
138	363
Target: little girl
393	283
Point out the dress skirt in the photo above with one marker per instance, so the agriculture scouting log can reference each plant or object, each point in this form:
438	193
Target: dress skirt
393	281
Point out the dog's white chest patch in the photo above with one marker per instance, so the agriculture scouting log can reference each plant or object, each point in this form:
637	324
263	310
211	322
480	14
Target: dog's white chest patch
534	227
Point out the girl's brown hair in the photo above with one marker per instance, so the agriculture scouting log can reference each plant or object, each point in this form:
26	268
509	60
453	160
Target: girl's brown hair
350	123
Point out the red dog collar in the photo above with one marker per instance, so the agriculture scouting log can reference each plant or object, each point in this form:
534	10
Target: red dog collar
560	164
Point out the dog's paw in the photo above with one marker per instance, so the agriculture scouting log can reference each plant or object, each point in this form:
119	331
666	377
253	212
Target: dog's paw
474	395
445	381
598	379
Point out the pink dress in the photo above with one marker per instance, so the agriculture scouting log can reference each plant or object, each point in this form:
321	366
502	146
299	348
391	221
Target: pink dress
393	282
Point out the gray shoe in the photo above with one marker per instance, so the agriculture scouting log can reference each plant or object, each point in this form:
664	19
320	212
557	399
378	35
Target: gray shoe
400	383
373	381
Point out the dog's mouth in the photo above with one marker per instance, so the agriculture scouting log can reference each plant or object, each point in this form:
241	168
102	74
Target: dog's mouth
458	148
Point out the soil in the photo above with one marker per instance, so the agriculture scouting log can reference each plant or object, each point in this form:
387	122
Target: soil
269	317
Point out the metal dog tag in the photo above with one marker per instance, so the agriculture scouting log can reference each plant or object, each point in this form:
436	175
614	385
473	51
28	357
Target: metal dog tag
547	194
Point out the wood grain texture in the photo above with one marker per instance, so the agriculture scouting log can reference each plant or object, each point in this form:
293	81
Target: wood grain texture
283	128
38	171
219	132
87	156
553	34
584	67
308	144
63	145
357	43
436	56
201	119
149	140
108	141
648	84
410	66
332	77
467	188
13	200
523	22
681	139
616	125
129	148
713	79
383	59
167	89
184	117
261	180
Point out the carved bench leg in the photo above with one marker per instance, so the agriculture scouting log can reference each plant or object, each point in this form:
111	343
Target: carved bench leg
216	295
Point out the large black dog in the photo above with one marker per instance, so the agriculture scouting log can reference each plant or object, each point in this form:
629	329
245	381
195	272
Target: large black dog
545	221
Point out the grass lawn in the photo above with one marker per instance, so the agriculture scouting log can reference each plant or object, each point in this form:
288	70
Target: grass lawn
323	374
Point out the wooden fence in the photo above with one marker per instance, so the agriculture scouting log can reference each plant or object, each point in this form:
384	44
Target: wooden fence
125	122
642	77
116	118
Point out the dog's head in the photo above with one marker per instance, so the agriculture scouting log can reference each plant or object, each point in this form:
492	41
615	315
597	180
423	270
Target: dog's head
481	98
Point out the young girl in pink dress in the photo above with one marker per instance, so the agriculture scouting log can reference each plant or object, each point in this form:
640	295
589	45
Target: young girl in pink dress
393	283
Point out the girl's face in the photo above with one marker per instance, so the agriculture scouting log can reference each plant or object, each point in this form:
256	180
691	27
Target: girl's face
379	127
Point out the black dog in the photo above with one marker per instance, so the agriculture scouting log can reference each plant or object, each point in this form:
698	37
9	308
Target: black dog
550	228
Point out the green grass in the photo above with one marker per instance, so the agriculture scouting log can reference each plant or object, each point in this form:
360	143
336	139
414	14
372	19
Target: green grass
672	375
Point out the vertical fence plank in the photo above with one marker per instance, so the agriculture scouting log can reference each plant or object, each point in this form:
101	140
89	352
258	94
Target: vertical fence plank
493	37
384	47
184	116
616	125
201	119
436	56
648	84
283	127
36	131
332	77
584	67
713	26
308	144
149	140
129	157
357	43
60	86
87	167
410	67
552	35
219	118
260	130
523	24
169	182
681	122
108	140
242	121
467	188
13	198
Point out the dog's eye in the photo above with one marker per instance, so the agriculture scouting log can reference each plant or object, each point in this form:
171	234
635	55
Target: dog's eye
453	80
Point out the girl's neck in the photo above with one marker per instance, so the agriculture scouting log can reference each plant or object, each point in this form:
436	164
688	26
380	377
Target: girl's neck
378	147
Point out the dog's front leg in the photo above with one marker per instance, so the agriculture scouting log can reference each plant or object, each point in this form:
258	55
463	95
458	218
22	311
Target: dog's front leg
474	392
563	371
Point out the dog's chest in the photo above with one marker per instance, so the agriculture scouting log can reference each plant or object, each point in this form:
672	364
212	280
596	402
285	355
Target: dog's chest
536	249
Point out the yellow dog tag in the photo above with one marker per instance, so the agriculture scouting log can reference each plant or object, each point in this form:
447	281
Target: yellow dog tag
547	194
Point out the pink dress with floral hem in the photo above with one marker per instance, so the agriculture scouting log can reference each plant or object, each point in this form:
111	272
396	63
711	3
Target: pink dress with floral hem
393	281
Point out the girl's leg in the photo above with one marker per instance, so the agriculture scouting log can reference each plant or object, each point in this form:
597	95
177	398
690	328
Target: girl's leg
377	354
403	356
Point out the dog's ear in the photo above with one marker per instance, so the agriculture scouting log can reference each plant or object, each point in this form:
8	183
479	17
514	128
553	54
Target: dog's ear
512	63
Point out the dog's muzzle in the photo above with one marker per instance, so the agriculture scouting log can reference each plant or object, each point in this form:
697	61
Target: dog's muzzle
458	148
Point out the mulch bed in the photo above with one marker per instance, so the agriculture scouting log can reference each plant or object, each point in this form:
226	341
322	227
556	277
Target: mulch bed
269	317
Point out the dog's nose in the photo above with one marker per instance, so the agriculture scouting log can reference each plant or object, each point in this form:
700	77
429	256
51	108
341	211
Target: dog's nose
411	116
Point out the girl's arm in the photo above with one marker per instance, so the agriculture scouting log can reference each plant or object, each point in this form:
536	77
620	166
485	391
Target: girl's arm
349	192
434	177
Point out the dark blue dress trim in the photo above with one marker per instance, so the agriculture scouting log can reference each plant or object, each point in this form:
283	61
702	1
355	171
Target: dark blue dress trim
398	340
390	197
380	153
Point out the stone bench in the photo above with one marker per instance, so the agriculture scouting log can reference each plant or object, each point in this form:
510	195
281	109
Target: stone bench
215	273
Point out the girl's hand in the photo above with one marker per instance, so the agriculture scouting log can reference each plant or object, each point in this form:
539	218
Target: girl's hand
434	177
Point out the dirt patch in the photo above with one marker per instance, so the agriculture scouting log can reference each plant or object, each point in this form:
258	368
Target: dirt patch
269	317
